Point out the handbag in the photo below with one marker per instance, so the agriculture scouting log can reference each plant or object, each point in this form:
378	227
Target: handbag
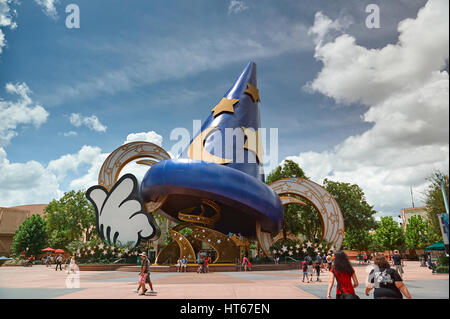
344	296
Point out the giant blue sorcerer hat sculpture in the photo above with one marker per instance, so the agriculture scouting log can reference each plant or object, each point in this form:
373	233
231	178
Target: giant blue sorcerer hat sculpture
235	185
216	187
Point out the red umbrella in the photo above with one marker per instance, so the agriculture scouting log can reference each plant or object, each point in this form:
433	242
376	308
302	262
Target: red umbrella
59	251
48	249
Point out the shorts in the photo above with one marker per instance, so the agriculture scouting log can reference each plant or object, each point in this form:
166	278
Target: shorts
310	269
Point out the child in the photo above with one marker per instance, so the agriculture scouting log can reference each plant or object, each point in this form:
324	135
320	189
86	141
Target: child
317	266
311	271
305	271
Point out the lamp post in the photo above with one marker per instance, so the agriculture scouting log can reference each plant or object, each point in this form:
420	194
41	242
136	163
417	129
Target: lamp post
441	181
443	219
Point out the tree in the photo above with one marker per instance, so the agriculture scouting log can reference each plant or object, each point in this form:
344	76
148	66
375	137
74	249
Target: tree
434	200
389	235
357	213
419	233
69	218
32	235
298	219
289	169
358	239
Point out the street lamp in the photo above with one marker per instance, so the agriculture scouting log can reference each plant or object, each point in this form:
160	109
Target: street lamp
441	181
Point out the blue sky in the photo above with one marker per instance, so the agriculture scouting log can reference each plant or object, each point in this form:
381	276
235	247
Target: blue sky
157	65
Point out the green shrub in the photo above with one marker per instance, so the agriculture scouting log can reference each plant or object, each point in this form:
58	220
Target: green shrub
443	261
442	269
15	261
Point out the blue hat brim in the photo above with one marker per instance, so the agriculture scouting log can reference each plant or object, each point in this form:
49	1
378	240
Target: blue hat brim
243	198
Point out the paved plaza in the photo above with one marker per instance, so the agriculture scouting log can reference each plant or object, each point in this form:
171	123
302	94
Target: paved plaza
45	283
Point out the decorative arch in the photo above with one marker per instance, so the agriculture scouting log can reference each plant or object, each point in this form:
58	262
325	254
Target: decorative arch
329	211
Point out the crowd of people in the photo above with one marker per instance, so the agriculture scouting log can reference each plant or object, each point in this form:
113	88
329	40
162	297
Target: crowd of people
58	260
386	282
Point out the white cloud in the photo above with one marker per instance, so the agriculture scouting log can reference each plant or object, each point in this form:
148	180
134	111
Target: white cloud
151	137
22	111
26	183
408	95
91	177
6	20
32	182
70	133
91	122
236	6
324	27
48	7
71	162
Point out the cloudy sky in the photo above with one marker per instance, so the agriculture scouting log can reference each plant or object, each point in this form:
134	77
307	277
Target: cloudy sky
351	103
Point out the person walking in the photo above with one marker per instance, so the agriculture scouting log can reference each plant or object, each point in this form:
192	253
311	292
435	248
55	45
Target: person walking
48	260
73	267
59	261
386	282
245	262
144	275
317	267
207	263
345	276
429	262
329	262
309	263
398	262
30	261
305	271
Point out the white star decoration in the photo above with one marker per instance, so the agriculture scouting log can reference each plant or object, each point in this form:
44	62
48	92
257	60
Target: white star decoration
284	248
297	246
290	253
92	252
304	250
105	252
126	250
101	246
308	244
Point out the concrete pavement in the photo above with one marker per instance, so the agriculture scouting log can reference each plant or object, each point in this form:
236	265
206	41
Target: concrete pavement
44	283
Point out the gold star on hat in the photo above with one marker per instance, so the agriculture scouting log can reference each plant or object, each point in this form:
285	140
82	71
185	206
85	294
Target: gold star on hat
225	105
253	92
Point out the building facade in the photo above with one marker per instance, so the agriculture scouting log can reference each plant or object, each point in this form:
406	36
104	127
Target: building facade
407	213
10	220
